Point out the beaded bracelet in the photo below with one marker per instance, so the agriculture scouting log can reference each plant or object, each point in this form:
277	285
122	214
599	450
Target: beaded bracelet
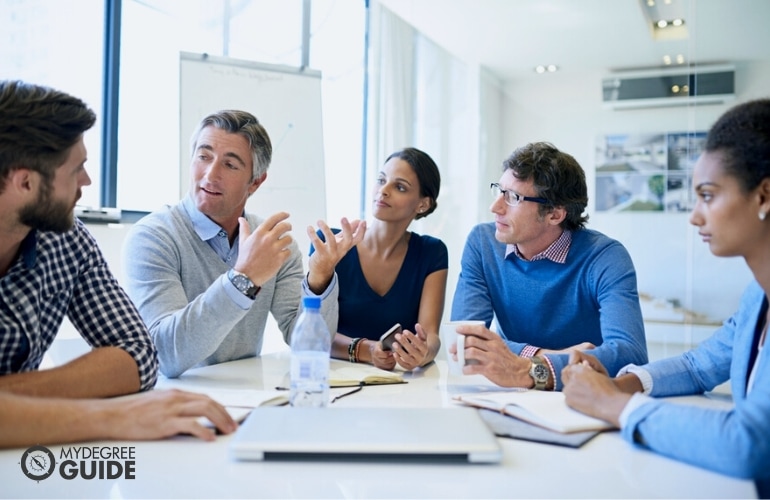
357	348
352	357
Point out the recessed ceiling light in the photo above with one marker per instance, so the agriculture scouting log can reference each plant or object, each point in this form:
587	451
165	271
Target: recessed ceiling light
677	22
550	68
662	23
680	59
667	60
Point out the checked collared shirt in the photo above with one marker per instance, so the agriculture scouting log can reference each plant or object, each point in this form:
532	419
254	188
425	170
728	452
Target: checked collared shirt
57	274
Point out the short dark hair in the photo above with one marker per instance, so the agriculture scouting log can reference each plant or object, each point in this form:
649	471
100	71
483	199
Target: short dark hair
245	124
742	136
556	176
427	175
38	127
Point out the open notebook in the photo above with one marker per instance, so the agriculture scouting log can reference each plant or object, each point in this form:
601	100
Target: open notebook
346	374
347	433
544	408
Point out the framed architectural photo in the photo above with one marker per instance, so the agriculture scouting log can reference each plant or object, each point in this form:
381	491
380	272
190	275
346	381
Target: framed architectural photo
646	173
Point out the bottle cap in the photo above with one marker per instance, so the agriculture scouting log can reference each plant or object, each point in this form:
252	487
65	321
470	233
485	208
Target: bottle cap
311	302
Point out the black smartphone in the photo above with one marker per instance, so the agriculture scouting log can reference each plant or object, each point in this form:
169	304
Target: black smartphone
389	337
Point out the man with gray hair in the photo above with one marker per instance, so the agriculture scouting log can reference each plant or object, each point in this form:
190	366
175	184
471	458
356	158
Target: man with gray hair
204	273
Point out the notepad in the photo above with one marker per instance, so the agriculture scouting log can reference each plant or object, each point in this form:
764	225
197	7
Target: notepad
344	374
544	408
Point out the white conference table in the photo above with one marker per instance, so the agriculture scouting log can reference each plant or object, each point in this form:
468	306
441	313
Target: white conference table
184	467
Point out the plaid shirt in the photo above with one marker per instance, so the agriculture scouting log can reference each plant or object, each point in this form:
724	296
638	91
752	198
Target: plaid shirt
58	274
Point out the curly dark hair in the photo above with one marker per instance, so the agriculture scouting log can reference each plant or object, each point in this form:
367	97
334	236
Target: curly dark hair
742	136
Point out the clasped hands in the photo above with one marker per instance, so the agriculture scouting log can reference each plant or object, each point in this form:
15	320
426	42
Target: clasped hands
589	389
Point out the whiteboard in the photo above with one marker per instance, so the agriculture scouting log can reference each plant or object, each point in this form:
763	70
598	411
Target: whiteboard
287	102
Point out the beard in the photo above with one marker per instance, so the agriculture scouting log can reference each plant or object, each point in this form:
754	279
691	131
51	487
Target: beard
47	214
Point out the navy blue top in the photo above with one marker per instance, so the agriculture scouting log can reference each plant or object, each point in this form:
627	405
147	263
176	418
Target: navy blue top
366	314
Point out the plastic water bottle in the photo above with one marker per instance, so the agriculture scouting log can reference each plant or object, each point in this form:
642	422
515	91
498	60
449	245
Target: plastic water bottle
310	347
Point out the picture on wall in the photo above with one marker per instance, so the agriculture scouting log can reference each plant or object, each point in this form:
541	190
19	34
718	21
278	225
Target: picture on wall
646	173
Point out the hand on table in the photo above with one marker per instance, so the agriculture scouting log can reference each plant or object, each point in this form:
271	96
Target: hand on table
163	413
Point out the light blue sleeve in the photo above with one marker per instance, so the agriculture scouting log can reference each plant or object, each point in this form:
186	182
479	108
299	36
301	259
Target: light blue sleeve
735	441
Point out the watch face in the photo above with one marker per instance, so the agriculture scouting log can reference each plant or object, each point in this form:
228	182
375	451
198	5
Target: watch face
540	372
243	283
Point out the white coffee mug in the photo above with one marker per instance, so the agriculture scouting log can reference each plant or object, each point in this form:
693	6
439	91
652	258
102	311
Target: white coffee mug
449	336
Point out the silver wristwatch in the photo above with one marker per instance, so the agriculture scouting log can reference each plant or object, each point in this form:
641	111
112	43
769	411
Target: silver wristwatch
243	284
538	370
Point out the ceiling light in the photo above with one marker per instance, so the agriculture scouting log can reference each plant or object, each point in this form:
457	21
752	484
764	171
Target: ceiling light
665	19
666	60
680	59
550	68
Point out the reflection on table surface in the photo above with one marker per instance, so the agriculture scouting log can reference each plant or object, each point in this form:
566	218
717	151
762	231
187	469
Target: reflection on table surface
184	467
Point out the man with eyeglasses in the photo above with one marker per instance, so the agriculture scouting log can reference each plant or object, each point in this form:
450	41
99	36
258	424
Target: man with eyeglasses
551	285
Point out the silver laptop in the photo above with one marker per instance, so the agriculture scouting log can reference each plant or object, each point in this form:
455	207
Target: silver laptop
412	434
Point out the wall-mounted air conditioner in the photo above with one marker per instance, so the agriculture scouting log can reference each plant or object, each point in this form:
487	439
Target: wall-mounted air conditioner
685	86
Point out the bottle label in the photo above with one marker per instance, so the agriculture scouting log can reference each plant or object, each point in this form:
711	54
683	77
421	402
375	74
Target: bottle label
309	379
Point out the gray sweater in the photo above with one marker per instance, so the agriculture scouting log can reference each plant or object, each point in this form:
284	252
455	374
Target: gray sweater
177	282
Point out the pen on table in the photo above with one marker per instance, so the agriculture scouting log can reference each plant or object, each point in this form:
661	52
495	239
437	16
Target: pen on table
339	396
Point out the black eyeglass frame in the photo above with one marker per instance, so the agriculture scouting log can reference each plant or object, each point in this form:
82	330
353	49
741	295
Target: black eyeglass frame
519	197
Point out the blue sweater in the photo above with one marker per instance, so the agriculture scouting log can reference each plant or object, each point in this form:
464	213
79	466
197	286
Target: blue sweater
592	297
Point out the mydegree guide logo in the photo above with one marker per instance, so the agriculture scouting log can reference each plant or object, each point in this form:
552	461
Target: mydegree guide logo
95	462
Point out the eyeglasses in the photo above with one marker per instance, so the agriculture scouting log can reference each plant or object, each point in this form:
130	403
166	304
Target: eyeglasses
512	198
